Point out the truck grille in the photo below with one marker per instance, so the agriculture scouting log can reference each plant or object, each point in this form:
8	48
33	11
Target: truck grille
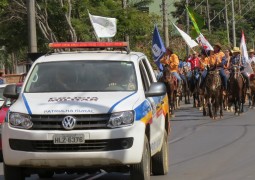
54	122
88	146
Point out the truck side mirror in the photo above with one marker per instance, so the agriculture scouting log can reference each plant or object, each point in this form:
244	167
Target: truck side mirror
156	89
10	91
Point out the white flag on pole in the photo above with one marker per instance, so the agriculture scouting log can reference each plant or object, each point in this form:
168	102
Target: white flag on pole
190	42
244	54
104	27
204	43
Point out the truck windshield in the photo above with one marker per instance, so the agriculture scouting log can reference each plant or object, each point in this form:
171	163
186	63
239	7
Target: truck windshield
80	76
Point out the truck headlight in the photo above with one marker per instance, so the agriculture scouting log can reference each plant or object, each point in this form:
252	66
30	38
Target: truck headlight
121	119
18	120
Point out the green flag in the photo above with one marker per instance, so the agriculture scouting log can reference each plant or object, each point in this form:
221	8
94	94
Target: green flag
197	20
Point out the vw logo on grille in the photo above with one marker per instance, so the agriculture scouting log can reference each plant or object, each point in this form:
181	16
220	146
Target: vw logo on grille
69	122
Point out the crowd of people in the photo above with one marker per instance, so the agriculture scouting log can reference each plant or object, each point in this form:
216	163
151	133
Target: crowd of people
202	62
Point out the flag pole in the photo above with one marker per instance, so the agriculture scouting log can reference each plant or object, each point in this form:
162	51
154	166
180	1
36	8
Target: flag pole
98	39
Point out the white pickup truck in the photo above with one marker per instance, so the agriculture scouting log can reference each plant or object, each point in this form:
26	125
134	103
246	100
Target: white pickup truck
83	110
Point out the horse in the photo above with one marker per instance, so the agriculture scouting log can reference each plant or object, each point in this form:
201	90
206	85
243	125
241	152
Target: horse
171	86
225	96
252	91
213	94
186	88
194	84
237	90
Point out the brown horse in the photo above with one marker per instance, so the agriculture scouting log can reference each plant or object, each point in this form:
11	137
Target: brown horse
237	90
186	88
252	91
225	96
194	85
213	94
171	86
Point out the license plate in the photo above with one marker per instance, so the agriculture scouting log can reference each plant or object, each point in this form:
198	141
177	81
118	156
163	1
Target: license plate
68	138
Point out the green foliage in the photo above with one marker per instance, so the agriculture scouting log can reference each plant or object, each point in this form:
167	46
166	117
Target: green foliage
244	20
132	21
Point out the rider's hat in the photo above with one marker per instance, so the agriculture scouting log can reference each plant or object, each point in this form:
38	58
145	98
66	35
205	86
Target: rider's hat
251	51
218	45
236	50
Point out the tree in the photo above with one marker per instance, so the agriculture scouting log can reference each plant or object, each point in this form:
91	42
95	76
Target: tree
66	20
244	20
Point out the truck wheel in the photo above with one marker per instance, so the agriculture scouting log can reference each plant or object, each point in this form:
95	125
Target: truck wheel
160	160
46	174
142	170
12	172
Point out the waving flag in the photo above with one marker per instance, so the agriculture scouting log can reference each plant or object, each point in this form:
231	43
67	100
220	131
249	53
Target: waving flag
204	43
244	55
192	17
190	42
104	27
158	48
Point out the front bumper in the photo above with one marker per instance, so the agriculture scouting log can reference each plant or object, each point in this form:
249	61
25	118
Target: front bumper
73	158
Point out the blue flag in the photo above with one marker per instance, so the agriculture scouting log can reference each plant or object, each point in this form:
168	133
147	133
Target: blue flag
158	48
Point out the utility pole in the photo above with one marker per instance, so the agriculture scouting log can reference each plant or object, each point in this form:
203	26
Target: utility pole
187	20
208	16
124	6
31	26
165	23
239	7
233	24
226	18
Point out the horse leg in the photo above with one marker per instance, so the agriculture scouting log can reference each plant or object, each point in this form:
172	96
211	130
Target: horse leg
194	100
188	97
236	106
210	108
215	108
204	107
239	107
253	99
221	106
250	100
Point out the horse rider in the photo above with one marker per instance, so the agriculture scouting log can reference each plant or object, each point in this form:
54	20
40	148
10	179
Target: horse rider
228	55
241	62
204	63
194	62
171	61
217	59
181	72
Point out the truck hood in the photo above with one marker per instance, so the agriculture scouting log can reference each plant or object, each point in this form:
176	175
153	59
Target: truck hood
75	103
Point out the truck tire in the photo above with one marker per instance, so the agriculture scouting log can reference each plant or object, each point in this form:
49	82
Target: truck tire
160	159
12	172
142	170
46	174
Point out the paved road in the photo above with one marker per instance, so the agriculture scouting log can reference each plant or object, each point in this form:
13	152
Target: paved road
201	149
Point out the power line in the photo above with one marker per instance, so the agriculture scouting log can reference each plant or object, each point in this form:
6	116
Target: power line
220	12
